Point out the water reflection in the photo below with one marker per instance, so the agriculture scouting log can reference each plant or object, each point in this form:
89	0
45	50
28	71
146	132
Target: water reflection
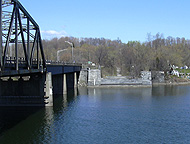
103	115
169	90
32	124
118	94
10	116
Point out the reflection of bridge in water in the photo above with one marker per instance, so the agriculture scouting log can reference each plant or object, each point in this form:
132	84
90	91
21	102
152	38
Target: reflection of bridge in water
26	78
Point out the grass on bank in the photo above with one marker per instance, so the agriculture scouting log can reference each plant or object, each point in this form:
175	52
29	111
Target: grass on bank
183	70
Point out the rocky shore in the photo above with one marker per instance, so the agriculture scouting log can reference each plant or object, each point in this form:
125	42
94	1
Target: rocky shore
174	81
92	78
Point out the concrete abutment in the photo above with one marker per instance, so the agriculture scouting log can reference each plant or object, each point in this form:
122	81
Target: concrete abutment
64	82
36	89
31	90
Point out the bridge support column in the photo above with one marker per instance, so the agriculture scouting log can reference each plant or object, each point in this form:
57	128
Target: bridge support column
83	78
31	90
59	84
75	80
64	84
48	90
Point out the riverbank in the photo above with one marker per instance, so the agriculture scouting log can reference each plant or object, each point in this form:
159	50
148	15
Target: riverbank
119	86
92	78
170	81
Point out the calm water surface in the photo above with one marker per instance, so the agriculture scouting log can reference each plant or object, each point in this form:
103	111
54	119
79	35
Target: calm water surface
103	116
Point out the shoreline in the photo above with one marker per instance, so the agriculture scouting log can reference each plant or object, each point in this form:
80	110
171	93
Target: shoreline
137	86
120	86
172	83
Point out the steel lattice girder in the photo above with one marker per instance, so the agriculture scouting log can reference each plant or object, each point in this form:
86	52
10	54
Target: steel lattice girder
17	26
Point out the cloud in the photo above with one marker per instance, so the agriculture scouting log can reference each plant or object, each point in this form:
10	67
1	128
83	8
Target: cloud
52	34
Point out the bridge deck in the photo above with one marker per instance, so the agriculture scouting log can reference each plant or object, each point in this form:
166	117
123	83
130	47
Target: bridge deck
61	69
53	68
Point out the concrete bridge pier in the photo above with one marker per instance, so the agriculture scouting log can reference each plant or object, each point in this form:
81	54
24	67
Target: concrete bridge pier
64	82
72	81
48	90
37	88
75	80
26	90
59	84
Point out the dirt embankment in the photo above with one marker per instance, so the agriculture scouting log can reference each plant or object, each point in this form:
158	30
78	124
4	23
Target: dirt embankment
173	80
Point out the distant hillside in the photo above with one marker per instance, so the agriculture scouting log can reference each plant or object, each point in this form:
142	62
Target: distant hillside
132	57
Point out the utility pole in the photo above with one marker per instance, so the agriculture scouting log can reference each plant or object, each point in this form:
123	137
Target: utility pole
72	45
1	45
58	53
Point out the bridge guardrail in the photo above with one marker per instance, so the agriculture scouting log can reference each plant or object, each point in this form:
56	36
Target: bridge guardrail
50	62
22	61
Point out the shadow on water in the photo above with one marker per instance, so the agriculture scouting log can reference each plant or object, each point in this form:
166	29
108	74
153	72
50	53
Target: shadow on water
72	117
169	90
63	101
11	116
23	124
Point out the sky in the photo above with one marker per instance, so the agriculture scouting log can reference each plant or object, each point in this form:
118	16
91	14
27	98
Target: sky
128	20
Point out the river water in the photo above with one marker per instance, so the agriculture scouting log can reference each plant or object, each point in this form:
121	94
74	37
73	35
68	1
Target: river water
160	114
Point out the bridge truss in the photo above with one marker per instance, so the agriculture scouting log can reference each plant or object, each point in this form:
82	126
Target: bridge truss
20	40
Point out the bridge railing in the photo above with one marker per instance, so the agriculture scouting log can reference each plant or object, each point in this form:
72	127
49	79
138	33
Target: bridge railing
11	62
19	29
51	62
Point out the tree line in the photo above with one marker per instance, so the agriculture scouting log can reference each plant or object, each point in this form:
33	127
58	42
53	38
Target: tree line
131	58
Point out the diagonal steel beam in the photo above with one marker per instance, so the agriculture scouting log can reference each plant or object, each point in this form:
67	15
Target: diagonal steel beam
8	36
26	13
1	40
16	36
42	51
23	41
32	51
13	29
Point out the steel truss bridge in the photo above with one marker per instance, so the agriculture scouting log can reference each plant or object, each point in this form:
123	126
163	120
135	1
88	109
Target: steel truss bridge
21	49
26	78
